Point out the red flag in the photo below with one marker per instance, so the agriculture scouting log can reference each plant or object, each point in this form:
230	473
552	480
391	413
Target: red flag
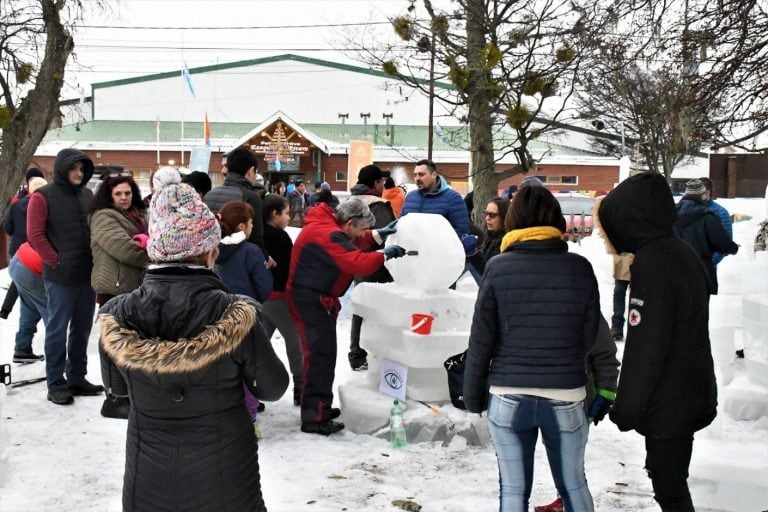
207	131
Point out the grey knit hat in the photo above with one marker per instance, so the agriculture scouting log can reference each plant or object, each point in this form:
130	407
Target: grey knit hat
694	188
531	181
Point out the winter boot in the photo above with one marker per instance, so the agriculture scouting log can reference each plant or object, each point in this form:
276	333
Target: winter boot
617	334
86	389
24	358
324	428
60	396
358	360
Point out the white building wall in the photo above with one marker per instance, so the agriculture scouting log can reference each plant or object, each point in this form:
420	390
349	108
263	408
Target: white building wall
309	93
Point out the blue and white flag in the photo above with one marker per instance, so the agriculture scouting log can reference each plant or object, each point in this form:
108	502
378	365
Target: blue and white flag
188	79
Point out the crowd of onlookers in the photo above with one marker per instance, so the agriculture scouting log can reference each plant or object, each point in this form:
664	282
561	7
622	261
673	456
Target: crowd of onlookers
193	280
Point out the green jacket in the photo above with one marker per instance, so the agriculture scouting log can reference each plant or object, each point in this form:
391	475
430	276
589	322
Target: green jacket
118	261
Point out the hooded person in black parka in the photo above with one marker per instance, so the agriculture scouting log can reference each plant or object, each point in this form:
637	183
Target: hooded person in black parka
667	387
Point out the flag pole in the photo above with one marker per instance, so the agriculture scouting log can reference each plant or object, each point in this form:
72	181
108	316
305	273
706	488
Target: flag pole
184	102
157	140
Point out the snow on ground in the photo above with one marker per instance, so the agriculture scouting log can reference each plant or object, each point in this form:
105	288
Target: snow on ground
55	458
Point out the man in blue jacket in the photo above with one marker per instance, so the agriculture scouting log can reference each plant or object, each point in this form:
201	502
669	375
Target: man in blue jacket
722	214
700	227
435	196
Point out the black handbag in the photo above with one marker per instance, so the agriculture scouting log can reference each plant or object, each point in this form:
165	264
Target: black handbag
454	366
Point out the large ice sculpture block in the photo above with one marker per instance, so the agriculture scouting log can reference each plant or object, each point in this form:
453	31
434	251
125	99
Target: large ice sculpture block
724	310
386	332
409	348
721	339
738	483
755	334
366	411
426	384
421	287
440	261
392	304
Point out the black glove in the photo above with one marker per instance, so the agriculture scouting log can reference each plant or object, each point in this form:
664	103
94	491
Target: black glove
387	230
601	404
393	251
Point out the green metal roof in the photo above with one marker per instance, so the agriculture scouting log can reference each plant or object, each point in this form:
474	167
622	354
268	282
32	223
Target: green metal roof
256	62
411	136
116	132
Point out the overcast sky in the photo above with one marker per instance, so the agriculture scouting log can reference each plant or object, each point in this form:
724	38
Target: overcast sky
138	37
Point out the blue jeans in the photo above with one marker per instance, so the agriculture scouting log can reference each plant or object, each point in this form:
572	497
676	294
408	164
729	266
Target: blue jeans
70	308
514	422
33	304
619	304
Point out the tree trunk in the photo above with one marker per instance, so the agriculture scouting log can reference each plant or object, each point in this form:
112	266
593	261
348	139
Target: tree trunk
485	181
32	117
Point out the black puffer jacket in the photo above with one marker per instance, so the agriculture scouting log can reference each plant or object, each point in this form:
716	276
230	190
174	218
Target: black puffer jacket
67	233
536	316
701	228
185	347
667	382
382	211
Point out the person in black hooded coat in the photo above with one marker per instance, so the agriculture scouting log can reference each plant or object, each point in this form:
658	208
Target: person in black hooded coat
185	347
667	388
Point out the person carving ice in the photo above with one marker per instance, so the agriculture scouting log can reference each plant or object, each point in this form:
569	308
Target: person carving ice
328	252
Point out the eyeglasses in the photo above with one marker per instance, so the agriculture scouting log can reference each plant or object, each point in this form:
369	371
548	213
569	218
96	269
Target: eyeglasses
492	215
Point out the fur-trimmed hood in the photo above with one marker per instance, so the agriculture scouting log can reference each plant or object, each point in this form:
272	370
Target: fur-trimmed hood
128	349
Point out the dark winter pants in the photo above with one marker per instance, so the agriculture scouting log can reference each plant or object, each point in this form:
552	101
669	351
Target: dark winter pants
316	322
357	355
619	304
667	462
278	316
70	311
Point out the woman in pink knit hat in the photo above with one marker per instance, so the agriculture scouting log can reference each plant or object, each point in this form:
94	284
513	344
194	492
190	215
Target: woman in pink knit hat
185	346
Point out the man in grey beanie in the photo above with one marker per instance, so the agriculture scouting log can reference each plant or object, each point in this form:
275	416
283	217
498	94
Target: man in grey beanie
701	228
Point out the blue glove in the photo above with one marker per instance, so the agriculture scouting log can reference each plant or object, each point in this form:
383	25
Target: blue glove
387	230
470	244
602	403
393	251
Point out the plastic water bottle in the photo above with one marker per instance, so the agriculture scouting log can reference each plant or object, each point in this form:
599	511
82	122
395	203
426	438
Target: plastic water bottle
397	426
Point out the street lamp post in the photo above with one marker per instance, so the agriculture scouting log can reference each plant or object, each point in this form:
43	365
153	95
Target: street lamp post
427	44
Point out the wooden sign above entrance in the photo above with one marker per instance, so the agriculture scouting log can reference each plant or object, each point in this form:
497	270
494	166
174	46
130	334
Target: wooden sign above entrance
282	148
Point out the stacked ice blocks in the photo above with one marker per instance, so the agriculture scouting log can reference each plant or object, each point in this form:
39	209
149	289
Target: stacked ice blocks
421	286
386	333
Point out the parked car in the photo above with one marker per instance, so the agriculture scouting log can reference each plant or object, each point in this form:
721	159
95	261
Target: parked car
577	210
